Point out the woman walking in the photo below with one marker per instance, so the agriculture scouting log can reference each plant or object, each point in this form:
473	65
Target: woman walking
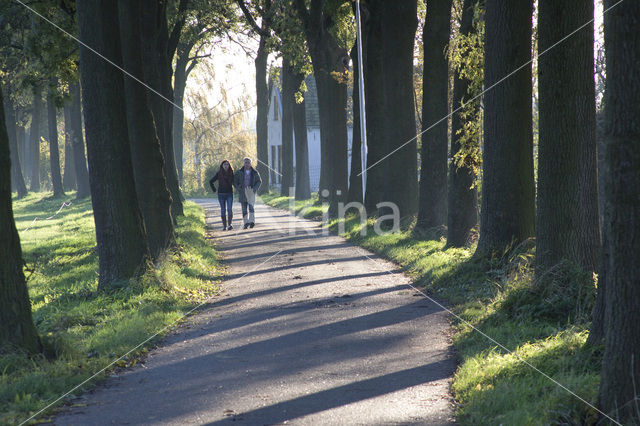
247	181
225	193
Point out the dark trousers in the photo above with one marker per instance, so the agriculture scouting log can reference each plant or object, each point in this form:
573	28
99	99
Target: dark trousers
250	218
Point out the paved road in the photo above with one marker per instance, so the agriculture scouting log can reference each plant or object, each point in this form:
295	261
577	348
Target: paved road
309	330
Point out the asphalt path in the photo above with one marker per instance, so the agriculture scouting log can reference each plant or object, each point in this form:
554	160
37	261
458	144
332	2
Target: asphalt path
309	330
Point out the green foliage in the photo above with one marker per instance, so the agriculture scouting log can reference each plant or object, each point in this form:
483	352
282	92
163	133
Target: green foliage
82	330
533	326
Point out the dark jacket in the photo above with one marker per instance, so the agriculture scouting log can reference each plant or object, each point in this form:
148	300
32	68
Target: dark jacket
238	182
225	183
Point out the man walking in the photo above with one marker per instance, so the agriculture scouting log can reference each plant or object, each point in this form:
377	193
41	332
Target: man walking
247	181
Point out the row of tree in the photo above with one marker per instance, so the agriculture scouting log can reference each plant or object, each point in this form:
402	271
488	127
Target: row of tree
489	51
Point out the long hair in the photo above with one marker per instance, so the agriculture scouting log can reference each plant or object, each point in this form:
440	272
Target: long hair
228	173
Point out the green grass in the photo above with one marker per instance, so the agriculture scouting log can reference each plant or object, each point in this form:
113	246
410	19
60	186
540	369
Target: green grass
82	330
542	325
308	209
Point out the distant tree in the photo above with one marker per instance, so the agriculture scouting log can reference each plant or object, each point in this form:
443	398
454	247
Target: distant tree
77	142
466	52
54	152
288	101
69	173
123	252
34	139
621	363
567	164
432	210
17	178
508	195
146	153
16	322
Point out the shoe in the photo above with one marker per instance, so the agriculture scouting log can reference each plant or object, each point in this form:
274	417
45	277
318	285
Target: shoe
252	224
229	228
246	225
224	228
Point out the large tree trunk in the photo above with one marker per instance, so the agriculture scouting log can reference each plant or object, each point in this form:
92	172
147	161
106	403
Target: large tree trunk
69	174
508	195
158	70
148	162
432	210
77	143
288	100
16	322
462	212
328	57
17	179
621	364
566	179
21	136
54	153
377	146
303	188
355	177
34	139
122	244
262	102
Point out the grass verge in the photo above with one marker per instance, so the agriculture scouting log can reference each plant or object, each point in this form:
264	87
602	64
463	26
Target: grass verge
543	324
82	330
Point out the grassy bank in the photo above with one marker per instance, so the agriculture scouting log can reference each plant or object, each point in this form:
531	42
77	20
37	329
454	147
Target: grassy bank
542	326
82	330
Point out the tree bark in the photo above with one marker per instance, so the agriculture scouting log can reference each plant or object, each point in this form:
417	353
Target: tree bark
158	72
328	57
77	143
179	87
69	174
17	178
148	162
262	101
16	322
54	152
34	139
288	93
462	212
122	244
567	214
621	363
355	179
303	185
432	210
508	194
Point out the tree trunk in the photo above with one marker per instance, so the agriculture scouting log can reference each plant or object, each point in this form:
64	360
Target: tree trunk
377	145
34	139
355	179
567	213
462	212
69	175
179	86
328	57
148	162
21	134
54	152
77	143
432	210
122	244
17	179
288	100
16	322
508	194
621	363
158	75
262	100
303	188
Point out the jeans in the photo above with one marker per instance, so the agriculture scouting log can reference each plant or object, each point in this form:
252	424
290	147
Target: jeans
251	217
226	203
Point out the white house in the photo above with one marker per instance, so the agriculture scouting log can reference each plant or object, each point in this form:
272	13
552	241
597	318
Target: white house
274	125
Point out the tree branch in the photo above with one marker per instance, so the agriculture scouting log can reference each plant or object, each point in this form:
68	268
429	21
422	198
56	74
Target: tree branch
252	22
174	37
